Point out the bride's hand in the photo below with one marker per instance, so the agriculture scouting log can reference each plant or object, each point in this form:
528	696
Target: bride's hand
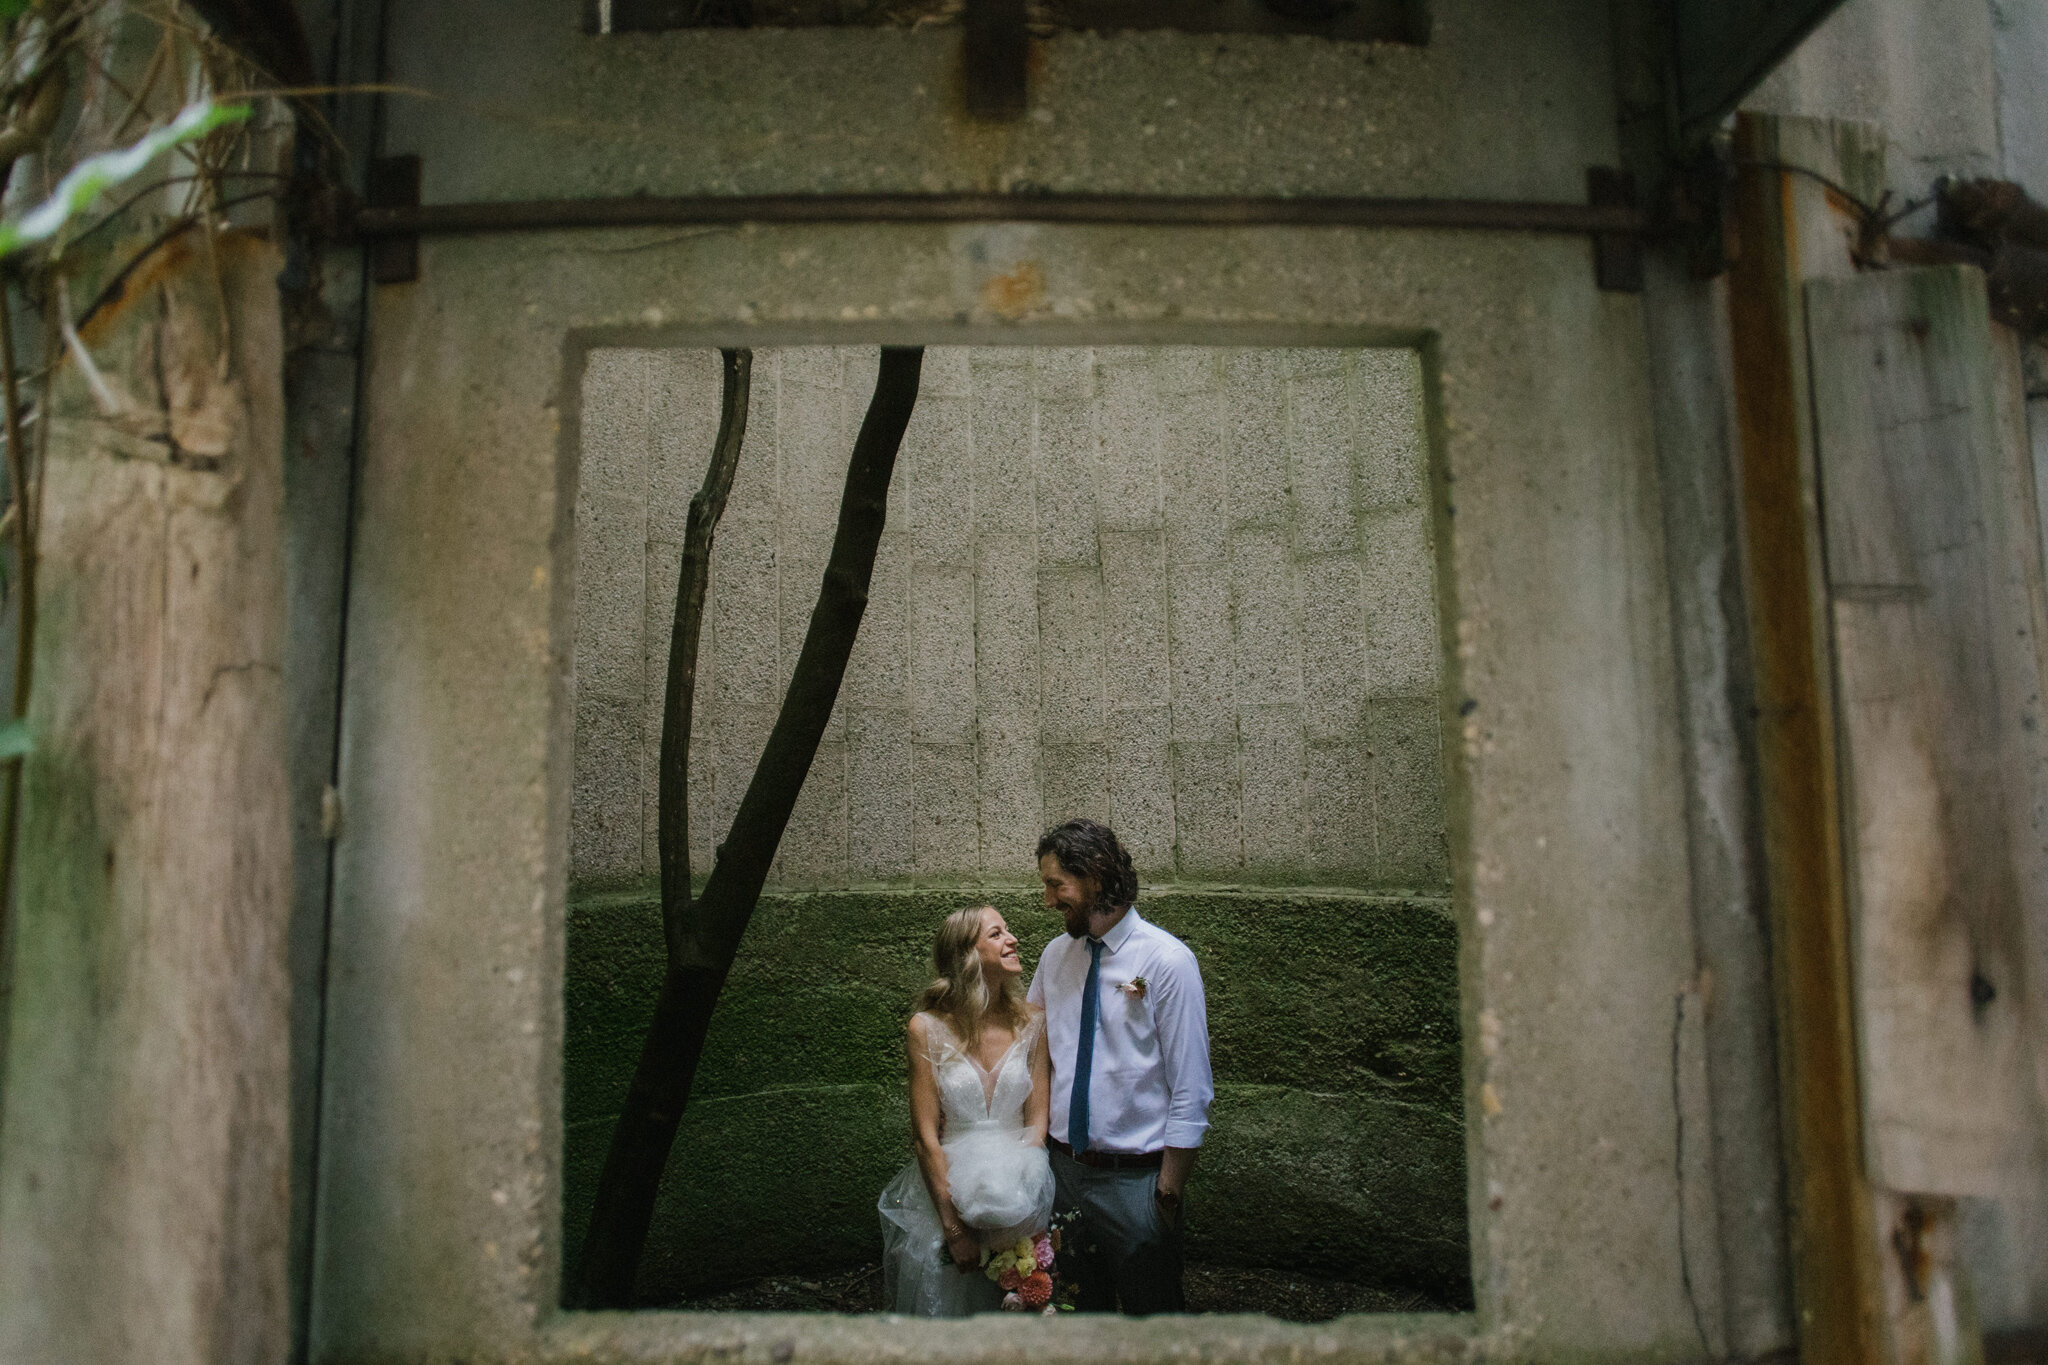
964	1249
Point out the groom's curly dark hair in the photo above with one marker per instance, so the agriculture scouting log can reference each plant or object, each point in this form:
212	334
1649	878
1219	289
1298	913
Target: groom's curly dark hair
1086	849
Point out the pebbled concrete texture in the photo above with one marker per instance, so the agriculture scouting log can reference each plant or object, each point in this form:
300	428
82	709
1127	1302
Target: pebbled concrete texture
1338	1137
1097	559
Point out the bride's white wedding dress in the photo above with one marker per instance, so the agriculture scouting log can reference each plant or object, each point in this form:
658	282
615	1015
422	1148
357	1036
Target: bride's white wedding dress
1001	1184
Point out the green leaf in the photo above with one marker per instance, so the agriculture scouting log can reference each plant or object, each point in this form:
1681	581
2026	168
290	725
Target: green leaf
81	188
15	739
14	9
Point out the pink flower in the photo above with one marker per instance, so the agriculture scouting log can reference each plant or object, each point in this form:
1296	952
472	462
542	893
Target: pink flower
1010	1279
1012	1302
1135	987
1041	1246
1037	1290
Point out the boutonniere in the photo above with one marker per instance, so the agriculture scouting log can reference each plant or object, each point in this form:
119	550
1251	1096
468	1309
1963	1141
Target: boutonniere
1135	987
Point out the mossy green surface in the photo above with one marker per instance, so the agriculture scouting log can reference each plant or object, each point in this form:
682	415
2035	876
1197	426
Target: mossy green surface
1336	1143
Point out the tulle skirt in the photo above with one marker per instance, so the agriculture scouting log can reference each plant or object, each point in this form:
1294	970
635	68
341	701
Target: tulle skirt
1002	1188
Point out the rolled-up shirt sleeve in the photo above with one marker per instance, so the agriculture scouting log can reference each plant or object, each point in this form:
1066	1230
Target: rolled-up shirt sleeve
1181	1014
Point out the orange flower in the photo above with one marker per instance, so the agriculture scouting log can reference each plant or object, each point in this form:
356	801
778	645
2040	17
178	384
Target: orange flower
1036	1290
1010	1279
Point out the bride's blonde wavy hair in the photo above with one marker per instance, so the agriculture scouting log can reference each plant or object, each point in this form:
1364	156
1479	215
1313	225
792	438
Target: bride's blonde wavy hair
961	993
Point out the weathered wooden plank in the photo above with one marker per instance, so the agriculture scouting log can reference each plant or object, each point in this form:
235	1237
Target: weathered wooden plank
1937	715
143	1161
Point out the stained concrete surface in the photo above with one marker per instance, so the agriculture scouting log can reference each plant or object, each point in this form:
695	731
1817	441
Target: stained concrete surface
1187	590
442	919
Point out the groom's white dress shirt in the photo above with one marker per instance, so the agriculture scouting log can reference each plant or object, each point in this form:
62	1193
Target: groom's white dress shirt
1149	1082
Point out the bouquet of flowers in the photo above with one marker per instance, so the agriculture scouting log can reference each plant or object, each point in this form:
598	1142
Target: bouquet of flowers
1029	1274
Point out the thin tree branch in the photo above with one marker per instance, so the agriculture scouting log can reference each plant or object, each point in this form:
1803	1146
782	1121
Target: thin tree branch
653	1107
679	703
27	133
113	215
742	867
22	507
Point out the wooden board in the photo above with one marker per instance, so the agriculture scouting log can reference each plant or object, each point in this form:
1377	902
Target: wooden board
1924	522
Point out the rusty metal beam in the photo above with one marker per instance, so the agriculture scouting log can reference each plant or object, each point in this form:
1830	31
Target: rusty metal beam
547	215
1836	1288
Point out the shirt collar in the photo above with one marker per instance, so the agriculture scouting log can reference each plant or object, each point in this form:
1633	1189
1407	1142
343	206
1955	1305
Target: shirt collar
1125	927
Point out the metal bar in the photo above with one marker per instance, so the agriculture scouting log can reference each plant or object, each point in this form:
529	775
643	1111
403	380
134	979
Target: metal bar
394	183
545	215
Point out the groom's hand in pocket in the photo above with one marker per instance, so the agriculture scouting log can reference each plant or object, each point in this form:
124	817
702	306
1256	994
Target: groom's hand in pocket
1175	1166
1167	1202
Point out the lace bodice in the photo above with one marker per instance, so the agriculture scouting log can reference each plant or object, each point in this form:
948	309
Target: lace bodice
972	1097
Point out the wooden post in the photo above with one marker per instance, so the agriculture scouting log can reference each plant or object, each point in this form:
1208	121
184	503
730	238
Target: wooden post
1836	1287
144	1199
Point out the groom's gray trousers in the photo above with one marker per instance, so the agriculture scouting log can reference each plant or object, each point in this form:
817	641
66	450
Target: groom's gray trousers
1136	1253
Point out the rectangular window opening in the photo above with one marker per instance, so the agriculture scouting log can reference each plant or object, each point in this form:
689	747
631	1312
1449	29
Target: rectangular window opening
1190	591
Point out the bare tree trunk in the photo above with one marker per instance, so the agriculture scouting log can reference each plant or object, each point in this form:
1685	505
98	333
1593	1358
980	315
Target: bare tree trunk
701	956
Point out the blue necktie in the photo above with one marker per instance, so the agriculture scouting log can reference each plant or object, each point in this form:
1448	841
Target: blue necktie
1084	1052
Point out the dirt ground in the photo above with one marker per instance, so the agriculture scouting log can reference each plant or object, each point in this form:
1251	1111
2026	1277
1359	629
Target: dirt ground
1283	1294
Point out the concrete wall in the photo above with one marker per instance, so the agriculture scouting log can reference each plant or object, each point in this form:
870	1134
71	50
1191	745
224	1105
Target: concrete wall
1186	590
440	1184
1920	69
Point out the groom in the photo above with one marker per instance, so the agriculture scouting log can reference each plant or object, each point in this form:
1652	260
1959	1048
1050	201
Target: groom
1129	1032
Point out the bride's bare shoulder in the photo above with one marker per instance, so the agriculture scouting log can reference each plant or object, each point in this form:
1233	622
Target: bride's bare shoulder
929	1029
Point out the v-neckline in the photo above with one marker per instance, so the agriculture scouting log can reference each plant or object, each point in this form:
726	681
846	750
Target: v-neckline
990	1073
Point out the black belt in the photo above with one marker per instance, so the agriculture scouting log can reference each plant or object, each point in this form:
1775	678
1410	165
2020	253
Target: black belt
1112	1161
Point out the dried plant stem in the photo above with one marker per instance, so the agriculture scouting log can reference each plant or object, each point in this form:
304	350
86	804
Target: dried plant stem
22	508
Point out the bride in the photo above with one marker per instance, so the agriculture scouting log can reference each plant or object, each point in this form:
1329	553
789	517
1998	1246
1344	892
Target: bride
980	1078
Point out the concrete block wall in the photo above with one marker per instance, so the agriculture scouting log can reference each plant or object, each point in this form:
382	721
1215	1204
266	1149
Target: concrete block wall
1189	590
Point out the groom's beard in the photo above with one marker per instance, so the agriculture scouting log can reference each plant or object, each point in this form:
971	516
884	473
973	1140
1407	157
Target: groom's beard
1076	917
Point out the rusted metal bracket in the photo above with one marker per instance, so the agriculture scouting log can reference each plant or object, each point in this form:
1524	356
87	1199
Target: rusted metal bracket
1617	256
1695	205
2009	230
393	186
